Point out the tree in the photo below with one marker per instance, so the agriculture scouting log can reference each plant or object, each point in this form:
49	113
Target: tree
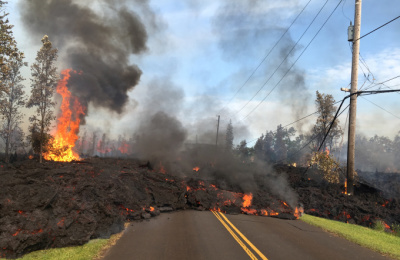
229	137
12	95
243	151
280	144
259	148
8	48
326	113
10	104
44	81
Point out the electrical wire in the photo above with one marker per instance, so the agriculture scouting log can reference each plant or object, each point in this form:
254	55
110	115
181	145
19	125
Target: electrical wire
283	61
265	57
383	82
293	63
381	107
378	28
285	126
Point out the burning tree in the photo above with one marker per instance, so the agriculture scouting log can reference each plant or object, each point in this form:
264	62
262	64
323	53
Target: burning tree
11	93
44	81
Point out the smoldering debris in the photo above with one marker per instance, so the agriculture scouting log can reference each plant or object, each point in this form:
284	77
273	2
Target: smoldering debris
64	204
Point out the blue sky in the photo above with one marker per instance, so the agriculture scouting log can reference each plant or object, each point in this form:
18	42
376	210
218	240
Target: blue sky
206	50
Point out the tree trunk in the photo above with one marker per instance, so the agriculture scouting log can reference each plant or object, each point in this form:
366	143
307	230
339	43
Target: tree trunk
7	150
41	139
41	150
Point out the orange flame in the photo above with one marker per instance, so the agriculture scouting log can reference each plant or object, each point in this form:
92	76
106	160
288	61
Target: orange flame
273	213
124	148
196	169
298	212
30	157
67	125
247	200
386	225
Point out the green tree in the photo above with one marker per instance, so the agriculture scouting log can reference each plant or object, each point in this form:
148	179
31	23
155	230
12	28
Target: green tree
11	103
259	148
326	112
11	90
8	49
229	137
44	81
280	144
243	151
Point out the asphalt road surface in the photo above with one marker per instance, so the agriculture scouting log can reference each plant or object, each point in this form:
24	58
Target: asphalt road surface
212	235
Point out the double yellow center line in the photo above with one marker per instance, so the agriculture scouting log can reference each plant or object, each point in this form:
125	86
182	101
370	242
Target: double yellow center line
232	229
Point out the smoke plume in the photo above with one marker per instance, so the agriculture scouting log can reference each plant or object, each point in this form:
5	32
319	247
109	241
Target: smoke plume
247	31
97	44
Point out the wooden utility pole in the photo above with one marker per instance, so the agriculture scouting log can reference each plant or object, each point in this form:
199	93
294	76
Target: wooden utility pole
216	141
353	99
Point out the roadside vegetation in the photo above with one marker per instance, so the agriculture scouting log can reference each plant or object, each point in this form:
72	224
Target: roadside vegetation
376	239
93	250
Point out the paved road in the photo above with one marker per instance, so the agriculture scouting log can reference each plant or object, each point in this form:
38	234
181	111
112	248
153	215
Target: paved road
208	235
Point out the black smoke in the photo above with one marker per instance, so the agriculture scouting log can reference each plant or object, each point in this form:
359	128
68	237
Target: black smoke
97	43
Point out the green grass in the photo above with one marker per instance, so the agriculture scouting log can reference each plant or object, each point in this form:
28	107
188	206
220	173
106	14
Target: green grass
85	252
378	241
92	250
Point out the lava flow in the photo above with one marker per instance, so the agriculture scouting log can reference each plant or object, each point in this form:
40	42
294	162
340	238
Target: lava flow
61	147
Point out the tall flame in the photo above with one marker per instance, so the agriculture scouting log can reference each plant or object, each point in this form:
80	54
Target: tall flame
67	125
247	198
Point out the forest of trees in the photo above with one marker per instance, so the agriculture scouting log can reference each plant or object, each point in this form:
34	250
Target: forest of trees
284	145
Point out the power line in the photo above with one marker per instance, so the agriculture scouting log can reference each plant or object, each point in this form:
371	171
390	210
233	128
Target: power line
283	59
285	126
378	28
381	108
294	61
262	61
382	83
315	137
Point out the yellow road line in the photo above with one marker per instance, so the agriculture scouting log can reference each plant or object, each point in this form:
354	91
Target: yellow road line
244	238
245	248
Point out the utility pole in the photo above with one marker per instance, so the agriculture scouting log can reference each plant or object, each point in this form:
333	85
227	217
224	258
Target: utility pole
216	141
353	99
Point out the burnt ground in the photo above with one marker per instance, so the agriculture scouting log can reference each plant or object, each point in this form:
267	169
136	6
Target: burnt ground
319	198
63	204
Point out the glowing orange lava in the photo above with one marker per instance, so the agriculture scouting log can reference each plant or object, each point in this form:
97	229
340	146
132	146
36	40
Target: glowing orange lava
249	211
247	200
196	169
67	125
298	212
